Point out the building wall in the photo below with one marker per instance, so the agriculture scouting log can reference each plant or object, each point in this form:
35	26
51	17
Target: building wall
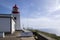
4	24
18	22
12	26
17	26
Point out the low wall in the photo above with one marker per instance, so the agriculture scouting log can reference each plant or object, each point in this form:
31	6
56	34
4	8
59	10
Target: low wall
2	34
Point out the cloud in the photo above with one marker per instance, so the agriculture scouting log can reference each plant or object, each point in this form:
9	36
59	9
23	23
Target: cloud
46	16
41	8
42	23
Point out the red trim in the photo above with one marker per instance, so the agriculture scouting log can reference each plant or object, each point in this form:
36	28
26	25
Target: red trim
15	6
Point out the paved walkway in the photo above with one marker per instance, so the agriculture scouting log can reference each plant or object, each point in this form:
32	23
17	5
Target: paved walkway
15	37
27	38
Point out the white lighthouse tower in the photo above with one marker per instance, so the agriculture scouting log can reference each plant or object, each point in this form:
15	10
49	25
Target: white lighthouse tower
16	15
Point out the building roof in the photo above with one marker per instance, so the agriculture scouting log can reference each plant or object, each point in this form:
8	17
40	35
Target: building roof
5	15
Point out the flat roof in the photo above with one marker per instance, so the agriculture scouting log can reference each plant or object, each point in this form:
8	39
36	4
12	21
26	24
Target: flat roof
6	15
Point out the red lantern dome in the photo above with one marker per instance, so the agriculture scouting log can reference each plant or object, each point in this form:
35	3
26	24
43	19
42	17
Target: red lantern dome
15	9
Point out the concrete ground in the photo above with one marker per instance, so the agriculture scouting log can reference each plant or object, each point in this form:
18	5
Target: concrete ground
15	37
27	38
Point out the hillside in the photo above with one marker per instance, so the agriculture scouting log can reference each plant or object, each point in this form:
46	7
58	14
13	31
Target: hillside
47	34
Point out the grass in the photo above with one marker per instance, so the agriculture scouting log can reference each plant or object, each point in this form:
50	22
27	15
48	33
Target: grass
47	34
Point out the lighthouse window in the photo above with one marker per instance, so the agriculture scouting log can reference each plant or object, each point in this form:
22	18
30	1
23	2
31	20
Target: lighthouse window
15	18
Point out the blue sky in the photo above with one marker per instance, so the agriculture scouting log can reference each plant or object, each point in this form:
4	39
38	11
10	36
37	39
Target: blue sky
39	14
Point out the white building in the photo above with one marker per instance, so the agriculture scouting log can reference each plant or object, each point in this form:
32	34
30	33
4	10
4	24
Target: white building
10	22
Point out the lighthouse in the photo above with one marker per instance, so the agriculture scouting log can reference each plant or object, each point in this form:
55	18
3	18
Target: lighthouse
16	15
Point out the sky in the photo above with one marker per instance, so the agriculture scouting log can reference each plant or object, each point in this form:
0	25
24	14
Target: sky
39	14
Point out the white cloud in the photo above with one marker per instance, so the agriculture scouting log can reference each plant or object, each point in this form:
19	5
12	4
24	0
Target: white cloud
48	21
43	22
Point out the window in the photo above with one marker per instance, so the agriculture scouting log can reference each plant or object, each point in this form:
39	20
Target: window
15	18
